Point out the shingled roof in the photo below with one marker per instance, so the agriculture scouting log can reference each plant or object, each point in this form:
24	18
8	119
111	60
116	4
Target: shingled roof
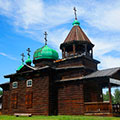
97	74
77	34
102	73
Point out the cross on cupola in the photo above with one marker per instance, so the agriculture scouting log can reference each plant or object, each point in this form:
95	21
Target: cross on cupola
75	13
22	58
76	43
45	38
28	61
28	52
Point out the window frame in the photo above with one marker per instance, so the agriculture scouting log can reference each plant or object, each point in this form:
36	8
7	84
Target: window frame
28	82
13	85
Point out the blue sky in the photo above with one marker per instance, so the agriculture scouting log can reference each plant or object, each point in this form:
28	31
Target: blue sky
23	22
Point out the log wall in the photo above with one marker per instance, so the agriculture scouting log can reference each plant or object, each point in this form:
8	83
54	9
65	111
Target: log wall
70	99
40	97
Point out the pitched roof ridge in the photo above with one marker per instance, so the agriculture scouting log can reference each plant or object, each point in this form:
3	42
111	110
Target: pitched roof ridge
30	66
102	73
76	34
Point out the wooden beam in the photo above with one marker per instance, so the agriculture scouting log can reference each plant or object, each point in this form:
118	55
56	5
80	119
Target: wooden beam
115	81
63	52
110	97
74	49
85	49
92	53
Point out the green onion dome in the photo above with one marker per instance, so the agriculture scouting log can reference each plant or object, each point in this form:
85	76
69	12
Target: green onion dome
76	22
28	61
45	53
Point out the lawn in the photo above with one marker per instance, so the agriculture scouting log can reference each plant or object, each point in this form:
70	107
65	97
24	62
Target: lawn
3	117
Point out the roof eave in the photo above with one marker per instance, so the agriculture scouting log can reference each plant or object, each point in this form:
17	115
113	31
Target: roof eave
1	85
76	42
19	73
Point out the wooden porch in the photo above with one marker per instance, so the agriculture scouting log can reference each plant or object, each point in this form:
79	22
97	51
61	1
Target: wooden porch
102	108
91	107
94	103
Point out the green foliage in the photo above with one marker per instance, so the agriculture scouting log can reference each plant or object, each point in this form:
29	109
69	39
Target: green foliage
106	97
1	92
65	117
115	97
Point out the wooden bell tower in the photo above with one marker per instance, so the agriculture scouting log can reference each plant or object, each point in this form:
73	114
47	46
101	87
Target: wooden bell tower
76	43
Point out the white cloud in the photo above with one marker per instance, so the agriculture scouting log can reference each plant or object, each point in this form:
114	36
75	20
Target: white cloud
109	62
102	46
8	56
104	15
5	7
102	51
29	12
36	14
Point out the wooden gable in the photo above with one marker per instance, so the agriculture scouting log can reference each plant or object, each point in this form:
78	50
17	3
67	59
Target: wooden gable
25	68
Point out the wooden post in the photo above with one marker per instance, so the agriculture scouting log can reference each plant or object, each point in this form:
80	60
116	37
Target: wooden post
110	97
85	49
74	49
63	52
92	53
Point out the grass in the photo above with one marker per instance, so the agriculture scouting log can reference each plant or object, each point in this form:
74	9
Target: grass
5	117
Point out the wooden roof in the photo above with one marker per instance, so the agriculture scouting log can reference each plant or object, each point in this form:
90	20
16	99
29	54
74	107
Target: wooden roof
97	74
102	73
29	71
77	34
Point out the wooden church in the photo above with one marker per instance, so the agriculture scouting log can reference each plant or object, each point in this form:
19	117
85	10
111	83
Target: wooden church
68	86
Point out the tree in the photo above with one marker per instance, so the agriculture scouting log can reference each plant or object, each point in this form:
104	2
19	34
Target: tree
106	97
117	96
1	92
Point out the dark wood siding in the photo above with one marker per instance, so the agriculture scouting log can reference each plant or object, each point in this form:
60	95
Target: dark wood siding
29	99
92	92
70	99
14	100
6	102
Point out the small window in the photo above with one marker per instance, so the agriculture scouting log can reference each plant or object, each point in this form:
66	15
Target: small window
14	84
29	83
